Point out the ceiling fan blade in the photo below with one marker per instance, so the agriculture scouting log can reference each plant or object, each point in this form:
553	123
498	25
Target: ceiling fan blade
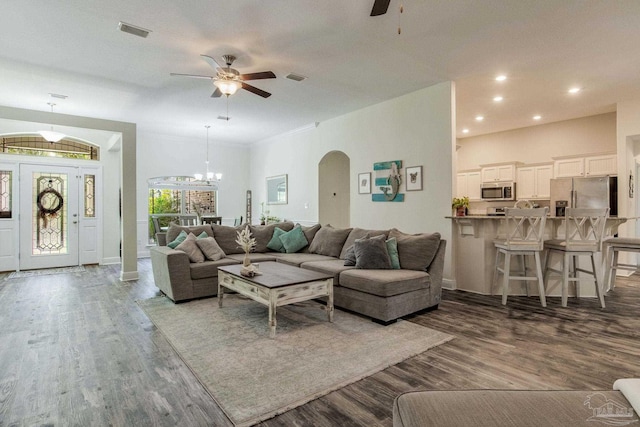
255	90
216	93
380	7
258	76
212	62
191	75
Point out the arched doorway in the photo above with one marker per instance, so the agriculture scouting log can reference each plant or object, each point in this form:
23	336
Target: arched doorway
334	194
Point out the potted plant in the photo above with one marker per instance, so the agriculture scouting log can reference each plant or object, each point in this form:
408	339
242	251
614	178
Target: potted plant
460	205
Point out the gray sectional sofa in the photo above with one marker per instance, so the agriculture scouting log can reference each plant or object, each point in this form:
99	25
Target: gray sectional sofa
382	293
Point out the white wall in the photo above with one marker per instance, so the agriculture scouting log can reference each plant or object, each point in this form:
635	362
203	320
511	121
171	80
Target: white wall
628	126
415	128
537	144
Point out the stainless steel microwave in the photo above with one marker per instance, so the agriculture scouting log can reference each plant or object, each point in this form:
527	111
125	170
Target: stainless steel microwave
498	191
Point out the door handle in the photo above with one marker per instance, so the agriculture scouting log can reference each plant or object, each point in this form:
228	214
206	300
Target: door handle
75	222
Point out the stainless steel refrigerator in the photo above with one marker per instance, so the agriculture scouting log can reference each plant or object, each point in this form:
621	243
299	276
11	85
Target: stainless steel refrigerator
592	192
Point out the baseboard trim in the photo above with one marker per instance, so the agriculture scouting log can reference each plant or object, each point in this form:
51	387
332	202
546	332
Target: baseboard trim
110	261
127	276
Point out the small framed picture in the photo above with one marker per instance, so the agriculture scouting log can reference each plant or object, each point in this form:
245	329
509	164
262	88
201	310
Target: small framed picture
364	183
414	178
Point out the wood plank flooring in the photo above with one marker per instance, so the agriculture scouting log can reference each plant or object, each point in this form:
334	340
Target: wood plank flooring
75	349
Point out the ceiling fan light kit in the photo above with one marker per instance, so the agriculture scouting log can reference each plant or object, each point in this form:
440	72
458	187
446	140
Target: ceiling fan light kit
227	87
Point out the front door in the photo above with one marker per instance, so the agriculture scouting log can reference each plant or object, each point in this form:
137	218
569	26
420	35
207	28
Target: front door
49	208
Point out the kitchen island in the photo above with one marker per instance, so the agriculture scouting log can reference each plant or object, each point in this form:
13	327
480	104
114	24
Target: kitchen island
474	255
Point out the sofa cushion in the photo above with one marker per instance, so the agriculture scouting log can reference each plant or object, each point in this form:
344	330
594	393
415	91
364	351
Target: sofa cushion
175	229
309	234
371	252
329	241
190	247
359	233
275	244
208	269
384	283
210	248
264	233
298	258
332	266
293	240
254	257
179	239
226	237
416	251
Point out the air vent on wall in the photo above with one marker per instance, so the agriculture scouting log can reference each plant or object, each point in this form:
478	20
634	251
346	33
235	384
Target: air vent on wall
132	29
296	77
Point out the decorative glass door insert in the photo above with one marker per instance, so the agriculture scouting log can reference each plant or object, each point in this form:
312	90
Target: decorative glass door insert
49	219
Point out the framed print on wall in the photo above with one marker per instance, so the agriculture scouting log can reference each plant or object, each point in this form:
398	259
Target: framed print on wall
364	183
414	178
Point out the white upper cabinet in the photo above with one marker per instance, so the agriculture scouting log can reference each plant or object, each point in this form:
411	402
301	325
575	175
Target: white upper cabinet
468	184
493	173
605	164
534	182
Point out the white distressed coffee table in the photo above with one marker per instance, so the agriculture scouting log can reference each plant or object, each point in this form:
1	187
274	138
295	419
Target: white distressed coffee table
279	284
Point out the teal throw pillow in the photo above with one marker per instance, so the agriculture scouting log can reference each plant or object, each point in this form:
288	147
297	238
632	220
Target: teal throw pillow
181	237
392	248
293	240
275	244
202	235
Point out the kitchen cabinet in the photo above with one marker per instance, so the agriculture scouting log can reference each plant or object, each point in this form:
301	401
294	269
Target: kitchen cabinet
504	172
605	164
534	181
468	184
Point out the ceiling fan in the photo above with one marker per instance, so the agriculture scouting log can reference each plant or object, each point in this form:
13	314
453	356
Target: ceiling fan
228	80
380	7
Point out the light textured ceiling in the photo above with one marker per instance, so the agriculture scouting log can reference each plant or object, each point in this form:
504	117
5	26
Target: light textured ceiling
352	60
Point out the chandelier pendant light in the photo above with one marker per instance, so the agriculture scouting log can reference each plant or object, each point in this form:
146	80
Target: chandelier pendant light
227	86
208	175
51	135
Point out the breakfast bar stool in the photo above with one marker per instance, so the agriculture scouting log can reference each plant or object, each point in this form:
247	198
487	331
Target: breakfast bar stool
613	246
584	230
525	237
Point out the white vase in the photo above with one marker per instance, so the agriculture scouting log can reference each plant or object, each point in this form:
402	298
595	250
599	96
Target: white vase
247	260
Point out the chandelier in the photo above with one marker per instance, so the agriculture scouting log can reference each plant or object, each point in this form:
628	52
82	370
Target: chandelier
208	176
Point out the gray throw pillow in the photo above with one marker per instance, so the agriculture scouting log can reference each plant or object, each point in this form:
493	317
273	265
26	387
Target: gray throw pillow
210	248
416	251
359	233
275	244
371	253
293	240
309	233
226	237
350	257
190	247
329	241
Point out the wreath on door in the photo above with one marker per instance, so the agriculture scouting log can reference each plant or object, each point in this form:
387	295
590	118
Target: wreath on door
54	203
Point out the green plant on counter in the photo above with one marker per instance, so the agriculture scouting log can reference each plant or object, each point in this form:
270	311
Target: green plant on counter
461	202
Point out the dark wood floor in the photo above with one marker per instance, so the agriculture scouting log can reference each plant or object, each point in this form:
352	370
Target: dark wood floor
75	349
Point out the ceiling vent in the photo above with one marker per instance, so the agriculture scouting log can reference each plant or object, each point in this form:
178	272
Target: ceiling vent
225	118
58	96
296	77
132	29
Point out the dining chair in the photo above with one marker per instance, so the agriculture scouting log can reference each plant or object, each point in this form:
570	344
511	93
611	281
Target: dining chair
525	237
237	221
212	220
583	233
188	220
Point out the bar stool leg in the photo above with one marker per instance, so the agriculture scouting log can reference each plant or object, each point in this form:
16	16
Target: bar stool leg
614	269
596	282
543	299
506	274
565	279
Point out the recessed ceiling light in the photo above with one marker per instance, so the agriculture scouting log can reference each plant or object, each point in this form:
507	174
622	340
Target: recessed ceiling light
133	29
465	130
498	98
501	78
537	117
575	90
479	118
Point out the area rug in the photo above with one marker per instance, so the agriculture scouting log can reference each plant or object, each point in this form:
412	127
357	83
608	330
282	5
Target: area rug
45	272
253	377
